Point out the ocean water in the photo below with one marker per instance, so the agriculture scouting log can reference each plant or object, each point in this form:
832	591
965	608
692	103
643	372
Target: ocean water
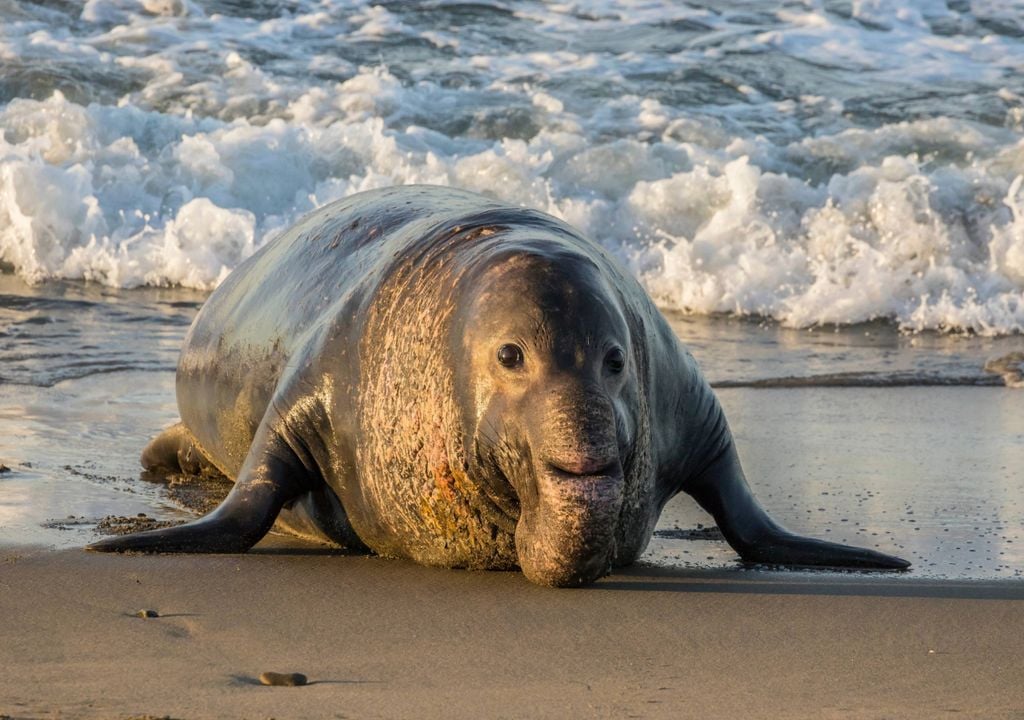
812	162
826	199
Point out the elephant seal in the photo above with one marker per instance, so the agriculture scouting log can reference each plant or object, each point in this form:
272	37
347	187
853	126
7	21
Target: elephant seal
426	373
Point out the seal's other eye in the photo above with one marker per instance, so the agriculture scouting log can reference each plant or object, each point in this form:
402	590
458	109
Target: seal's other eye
615	360
511	356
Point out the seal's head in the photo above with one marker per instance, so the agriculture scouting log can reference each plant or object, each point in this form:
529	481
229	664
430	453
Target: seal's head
550	379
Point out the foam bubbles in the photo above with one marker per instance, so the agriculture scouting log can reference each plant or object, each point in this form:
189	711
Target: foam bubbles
889	240
744	163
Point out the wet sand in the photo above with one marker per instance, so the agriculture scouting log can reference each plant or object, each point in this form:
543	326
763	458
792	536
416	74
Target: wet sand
387	639
928	473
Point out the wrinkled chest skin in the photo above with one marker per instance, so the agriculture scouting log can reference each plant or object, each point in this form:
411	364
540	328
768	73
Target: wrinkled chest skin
366	336
418	497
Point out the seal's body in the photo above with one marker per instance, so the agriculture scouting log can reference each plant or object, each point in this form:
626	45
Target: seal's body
430	374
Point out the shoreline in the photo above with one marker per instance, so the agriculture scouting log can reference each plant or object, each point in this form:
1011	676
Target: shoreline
390	639
872	467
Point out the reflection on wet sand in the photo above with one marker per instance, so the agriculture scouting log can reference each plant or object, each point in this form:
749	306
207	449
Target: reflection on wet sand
931	473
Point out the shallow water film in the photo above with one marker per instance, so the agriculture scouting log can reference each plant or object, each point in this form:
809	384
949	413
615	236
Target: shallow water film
861	435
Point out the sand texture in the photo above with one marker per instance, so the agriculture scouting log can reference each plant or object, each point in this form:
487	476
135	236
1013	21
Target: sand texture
387	639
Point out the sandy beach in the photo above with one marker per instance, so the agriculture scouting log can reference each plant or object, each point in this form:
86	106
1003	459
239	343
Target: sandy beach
387	639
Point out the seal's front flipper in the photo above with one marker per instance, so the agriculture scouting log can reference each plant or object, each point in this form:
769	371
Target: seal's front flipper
722	490
244	517
271	476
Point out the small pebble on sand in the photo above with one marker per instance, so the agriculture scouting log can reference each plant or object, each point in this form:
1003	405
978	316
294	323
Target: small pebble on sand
147	614
282	679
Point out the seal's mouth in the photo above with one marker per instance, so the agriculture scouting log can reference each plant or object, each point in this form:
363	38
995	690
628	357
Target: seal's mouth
583	468
563	484
566	533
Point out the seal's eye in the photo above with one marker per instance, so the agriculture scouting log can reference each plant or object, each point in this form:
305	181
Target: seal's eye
615	360
511	356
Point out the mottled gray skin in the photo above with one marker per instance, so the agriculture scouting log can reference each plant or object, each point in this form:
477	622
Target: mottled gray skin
347	376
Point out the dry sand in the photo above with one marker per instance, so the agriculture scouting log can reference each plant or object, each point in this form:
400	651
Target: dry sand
388	639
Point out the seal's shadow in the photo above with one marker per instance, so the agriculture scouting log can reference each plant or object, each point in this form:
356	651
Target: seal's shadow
794	582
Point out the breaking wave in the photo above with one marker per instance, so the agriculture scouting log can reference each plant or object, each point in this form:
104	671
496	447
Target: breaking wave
783	163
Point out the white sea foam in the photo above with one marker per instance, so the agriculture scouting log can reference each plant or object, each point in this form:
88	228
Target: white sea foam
161	142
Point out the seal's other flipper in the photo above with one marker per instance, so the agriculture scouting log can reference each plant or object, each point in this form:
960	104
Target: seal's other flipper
271	476
174	450
722	490
244	517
